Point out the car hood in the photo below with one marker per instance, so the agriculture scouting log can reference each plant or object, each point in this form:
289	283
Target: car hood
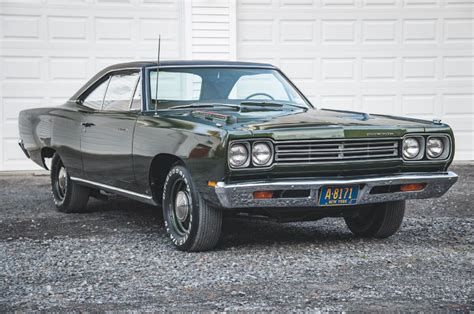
324	118
312	123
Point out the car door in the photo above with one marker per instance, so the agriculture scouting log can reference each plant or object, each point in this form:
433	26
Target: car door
107	135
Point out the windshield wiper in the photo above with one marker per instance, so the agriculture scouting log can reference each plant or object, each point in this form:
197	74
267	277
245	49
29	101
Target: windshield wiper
236	107
271	104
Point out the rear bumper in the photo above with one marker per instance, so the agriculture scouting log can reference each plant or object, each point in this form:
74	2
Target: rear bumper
240	195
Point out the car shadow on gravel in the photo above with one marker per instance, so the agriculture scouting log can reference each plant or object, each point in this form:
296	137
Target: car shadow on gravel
28	212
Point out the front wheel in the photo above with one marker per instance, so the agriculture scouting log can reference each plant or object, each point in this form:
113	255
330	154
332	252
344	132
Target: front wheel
377	220
190	222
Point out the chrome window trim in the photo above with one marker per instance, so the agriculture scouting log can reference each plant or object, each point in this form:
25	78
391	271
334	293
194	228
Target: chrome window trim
88	87
153	67
148	69
134	92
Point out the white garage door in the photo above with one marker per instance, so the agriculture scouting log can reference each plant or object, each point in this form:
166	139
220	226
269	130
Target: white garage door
412	58
49	50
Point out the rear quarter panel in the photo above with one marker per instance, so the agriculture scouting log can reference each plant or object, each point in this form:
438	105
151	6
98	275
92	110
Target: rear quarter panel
57	128
35	130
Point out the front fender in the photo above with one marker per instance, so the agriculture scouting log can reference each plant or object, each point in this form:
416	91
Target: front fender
200	146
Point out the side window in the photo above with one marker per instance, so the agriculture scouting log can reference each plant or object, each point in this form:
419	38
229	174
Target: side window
120	92
137	97
96	97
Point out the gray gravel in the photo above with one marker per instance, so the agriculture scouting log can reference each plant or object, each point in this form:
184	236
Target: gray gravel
117	257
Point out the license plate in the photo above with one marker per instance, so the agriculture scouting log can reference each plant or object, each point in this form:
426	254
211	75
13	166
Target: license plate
338	195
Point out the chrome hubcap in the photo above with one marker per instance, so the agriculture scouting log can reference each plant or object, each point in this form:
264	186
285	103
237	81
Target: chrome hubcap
182	206
62	179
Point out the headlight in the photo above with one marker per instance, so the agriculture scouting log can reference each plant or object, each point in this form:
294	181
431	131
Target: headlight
238	156
411	148
434	147
261	154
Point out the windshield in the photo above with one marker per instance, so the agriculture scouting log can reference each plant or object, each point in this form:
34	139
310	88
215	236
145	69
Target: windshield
185	86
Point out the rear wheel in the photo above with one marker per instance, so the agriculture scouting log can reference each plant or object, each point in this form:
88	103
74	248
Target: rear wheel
68	196
378	220
190	222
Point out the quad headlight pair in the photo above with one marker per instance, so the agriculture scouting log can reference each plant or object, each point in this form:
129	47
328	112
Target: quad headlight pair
243	154
416	147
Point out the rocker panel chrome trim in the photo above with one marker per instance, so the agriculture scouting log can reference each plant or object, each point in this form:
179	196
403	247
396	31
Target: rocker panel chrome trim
111	189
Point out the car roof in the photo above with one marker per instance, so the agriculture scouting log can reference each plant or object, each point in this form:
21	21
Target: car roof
191	63
168	63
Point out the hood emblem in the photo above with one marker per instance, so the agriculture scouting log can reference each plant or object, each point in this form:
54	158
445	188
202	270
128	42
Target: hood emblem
380	133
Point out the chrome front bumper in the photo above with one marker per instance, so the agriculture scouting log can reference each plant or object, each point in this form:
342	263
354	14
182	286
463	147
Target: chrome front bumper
240	195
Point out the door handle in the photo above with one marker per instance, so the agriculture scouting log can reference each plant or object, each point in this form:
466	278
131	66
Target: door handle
87	124
122	129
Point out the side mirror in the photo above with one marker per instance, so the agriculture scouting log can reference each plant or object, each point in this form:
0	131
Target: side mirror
79	101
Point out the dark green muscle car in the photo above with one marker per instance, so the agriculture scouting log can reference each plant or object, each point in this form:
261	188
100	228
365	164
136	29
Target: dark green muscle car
204	139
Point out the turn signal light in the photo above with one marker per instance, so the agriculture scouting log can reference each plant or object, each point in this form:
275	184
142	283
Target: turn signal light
211	184
262	194
413	187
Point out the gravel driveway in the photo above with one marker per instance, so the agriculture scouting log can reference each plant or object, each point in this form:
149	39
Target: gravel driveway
118	257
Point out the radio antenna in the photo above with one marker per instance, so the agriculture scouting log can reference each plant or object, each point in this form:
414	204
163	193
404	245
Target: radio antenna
157	73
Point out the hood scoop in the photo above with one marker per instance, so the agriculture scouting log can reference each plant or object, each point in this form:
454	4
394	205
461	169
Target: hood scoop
214	116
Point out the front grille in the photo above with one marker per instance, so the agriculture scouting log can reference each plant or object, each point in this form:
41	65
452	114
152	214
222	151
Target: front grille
315	151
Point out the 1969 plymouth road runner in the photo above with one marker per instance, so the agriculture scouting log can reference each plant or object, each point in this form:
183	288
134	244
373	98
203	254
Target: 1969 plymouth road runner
232	138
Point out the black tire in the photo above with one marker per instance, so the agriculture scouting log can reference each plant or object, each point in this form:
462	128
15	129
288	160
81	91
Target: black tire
68	196
190	222
378	220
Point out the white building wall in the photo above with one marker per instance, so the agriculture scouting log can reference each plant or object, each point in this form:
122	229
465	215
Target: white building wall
411	57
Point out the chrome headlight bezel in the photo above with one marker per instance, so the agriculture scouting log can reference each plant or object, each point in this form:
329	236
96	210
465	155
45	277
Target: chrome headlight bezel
425	157
250	162
246	163
270	152
446	147
421	144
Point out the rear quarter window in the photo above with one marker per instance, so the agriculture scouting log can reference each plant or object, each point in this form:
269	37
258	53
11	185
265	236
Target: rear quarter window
96	97
120	91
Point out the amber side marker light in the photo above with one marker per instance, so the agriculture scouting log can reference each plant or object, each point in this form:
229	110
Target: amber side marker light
211	184
262	194
413	187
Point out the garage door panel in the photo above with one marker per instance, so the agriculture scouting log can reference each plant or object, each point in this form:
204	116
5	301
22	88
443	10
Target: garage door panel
68	28
21	68
20	27
459	68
